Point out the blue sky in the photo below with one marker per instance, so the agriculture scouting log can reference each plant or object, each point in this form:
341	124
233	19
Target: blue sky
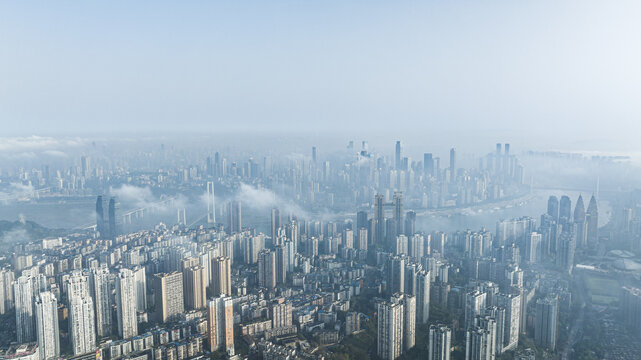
570	68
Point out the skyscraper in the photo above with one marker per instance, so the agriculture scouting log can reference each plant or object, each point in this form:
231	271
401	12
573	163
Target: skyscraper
579	221
267	269
379	218
276	223
398	212
101	293
140	281
553	207
512	305
453	164
545	330
397	157
25	322
565	208
46	308
396	326
221	267
126	304
439	343
235	217
100	217
475	303
168	291
221	324
194	287
423	296
113	231
478	344
6	290
428	164
395	274
81	314
211	203
592	222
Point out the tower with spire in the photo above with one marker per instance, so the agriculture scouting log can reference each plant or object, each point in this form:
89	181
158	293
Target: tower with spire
579	220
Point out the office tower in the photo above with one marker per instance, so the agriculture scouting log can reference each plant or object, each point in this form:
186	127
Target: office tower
81	321
396	326
592	222
512	305
428	164
221	324
361	220
211	203
140	282
398	212
422	294
631	308
267	269
6	290
101	293
397	158
126	304
410	223
545	329
566	246
478	344
100	217
282	263
395	274
168	292
281	314
439	343
533	247
565	208
46	308
453	164
194	287
25	322
553	207
113	231
235	217
221	270
475	303
276	223
581	225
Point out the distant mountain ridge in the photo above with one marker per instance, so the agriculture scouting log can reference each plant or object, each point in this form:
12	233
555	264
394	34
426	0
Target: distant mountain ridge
24	231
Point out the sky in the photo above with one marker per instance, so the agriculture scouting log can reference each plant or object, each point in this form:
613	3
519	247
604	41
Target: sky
558	73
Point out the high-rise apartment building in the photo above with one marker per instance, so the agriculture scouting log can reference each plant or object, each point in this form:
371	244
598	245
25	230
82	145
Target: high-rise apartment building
126	304
439	347
168	292
101	293
221	324
221	271
46	309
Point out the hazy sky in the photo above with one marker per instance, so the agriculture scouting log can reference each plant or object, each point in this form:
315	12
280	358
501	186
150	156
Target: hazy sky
516	68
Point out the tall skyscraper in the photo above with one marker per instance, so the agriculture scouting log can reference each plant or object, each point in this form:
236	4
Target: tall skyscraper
82	323
113	231
395	274
545	329
428	164
100	217
126	304
235	217
565	208
512	305
6	290
397	157
553	207
398	212
423	296
211	203
140	281
267	269
592	222
579	221
168	291
410	223
276	223
475	303
221	324
478	344
46	308
25	322
453	164
281	263
194	287
221	267
101	293
439	347
379	219
361	220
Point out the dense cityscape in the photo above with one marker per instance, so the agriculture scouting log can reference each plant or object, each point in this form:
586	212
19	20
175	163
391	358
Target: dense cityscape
291	280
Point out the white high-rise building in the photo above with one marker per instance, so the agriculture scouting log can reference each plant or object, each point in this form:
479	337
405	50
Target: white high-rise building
25	322
221	324
396	326
46	309
101	293
512	305
81	314
126	304
475	303
140	281
6	290
211	203
439	343
423	296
